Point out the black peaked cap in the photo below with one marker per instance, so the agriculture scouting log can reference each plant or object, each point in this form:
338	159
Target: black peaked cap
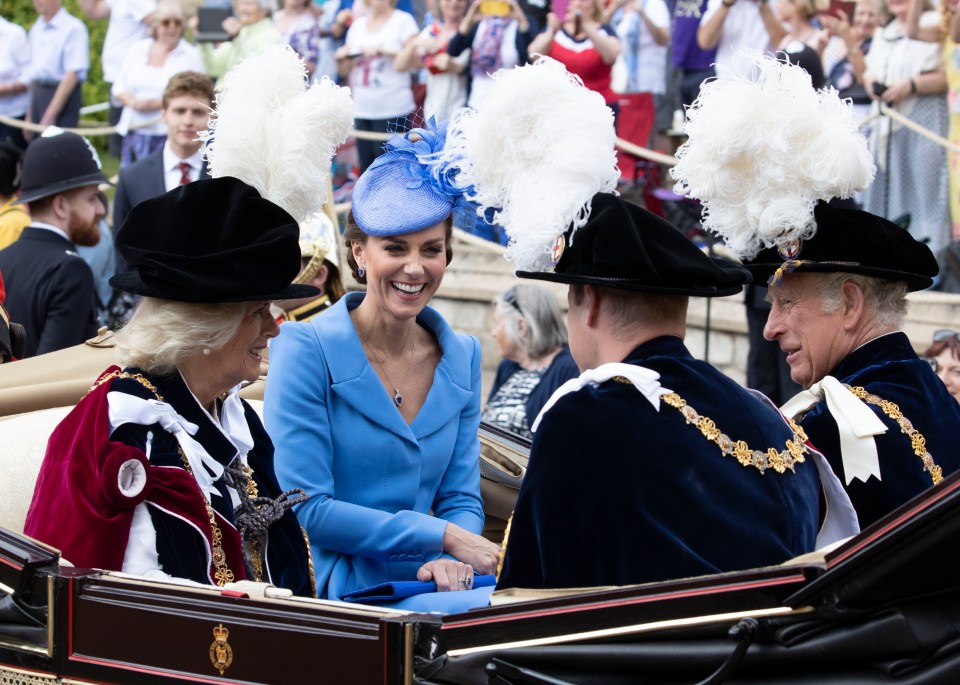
627	247
856	242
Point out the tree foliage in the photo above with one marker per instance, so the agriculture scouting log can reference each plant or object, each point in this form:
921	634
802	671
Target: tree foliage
95	90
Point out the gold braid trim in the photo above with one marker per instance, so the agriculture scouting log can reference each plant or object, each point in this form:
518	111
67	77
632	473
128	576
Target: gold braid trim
135	376
221	572
778	460
917	441
313	575
503	545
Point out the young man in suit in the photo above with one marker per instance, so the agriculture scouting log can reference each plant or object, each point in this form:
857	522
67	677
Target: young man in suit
50	289
187	103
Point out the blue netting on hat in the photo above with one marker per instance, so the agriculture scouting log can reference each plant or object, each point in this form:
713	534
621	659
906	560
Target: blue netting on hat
407	188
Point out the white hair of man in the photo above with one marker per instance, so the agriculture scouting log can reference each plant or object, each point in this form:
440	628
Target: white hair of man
885	301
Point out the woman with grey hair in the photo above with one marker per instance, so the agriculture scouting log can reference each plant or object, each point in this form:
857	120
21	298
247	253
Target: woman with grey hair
530	332
161	470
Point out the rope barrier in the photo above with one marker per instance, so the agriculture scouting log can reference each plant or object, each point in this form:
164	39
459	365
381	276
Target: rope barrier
916	128
80	130
637	151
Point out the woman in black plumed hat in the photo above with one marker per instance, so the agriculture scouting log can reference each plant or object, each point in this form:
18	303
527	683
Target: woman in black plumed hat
162	470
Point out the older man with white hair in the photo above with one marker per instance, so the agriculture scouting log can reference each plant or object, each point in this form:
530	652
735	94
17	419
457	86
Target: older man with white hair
872	406
837	278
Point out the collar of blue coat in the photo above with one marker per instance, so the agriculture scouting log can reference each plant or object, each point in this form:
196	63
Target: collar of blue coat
352	375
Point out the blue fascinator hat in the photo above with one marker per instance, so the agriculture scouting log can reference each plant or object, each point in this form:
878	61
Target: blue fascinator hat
408	188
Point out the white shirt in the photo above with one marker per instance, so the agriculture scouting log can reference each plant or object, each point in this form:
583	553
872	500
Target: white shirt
58	46
14	65
743	29
639	47
146	82
125	28
171	166
380	91
50	227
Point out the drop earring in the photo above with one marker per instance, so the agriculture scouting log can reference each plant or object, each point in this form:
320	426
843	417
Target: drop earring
361	272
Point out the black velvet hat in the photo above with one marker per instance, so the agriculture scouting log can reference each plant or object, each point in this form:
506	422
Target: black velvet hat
624	246
211	241
56	162
850	241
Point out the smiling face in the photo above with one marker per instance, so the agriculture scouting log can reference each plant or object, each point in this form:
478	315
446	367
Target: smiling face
403	272
865	19
815	341
239	360
249	12
168	25
948	369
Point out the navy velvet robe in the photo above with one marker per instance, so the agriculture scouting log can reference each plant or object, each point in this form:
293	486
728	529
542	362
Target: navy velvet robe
888	367
619	493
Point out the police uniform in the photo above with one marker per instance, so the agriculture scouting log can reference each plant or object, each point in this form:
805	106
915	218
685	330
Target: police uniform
683	474
920	420
50	288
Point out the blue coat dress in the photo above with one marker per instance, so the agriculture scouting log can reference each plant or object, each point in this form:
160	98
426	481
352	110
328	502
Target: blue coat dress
374	479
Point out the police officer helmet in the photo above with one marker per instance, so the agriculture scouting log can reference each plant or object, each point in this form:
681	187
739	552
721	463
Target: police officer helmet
58	161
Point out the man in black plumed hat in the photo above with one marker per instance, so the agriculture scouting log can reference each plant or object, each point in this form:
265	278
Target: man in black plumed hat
50	288
876	410
654	465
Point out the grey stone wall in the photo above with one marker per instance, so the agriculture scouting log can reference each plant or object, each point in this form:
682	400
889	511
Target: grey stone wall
479	271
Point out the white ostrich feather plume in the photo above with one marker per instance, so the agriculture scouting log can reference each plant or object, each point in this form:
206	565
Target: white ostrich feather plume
274	133
760	153
535	150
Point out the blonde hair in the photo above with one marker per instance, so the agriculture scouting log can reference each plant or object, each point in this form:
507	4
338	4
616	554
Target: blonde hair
810	8
166	8
161	334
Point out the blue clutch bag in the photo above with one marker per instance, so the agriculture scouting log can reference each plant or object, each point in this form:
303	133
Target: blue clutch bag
385	592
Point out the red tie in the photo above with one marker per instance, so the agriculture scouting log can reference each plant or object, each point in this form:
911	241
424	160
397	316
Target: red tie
184	168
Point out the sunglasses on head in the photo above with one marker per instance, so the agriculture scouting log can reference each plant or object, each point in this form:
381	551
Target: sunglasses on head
944	334
510	297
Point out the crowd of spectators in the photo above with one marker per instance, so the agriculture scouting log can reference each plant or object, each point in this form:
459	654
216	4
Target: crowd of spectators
414	58
411	59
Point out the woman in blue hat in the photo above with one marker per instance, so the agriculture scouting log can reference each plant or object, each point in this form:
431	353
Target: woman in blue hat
374	406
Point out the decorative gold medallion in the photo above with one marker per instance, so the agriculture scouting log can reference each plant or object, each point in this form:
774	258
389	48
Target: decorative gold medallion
221	654
556	252
791	249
